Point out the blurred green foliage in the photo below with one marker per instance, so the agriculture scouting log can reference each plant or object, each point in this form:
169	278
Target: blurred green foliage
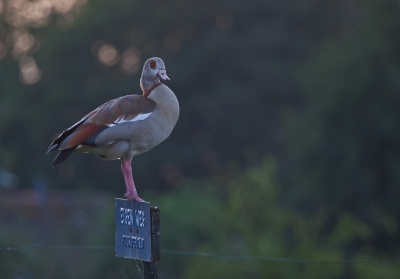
287	144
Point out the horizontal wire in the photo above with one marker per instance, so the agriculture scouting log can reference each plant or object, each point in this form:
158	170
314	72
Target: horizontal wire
207	255
274	259
46	246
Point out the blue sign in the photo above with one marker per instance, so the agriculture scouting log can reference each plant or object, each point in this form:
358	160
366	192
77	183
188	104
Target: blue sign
133	230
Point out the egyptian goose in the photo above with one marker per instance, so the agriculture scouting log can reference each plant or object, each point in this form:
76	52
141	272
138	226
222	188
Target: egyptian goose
125	127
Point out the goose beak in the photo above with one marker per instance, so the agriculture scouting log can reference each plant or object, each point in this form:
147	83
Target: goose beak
162	74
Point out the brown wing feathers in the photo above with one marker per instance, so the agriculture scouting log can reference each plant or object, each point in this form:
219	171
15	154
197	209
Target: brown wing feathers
62	156
70	141
127	107
123	108
55	144
82	133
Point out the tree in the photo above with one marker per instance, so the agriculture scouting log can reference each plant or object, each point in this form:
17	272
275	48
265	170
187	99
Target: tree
343	144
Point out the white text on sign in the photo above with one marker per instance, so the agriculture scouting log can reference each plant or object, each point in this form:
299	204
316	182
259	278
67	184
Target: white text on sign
132	217
132	241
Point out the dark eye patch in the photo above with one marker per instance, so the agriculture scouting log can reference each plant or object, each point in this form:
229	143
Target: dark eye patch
153	64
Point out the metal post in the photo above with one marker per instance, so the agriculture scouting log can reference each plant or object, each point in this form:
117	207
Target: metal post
150	268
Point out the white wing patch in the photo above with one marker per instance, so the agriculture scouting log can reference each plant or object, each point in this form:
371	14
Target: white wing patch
141	116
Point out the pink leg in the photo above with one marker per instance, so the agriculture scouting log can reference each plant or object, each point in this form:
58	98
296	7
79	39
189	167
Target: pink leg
131	193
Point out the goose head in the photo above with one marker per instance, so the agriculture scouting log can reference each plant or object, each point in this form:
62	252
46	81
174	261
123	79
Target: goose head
154	69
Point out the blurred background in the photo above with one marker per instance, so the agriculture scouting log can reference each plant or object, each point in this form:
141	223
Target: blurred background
287	144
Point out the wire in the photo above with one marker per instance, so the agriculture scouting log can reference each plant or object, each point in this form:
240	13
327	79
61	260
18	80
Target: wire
45	246
274	259
207	255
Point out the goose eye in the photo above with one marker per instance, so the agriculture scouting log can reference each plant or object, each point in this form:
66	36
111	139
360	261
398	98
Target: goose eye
153	64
